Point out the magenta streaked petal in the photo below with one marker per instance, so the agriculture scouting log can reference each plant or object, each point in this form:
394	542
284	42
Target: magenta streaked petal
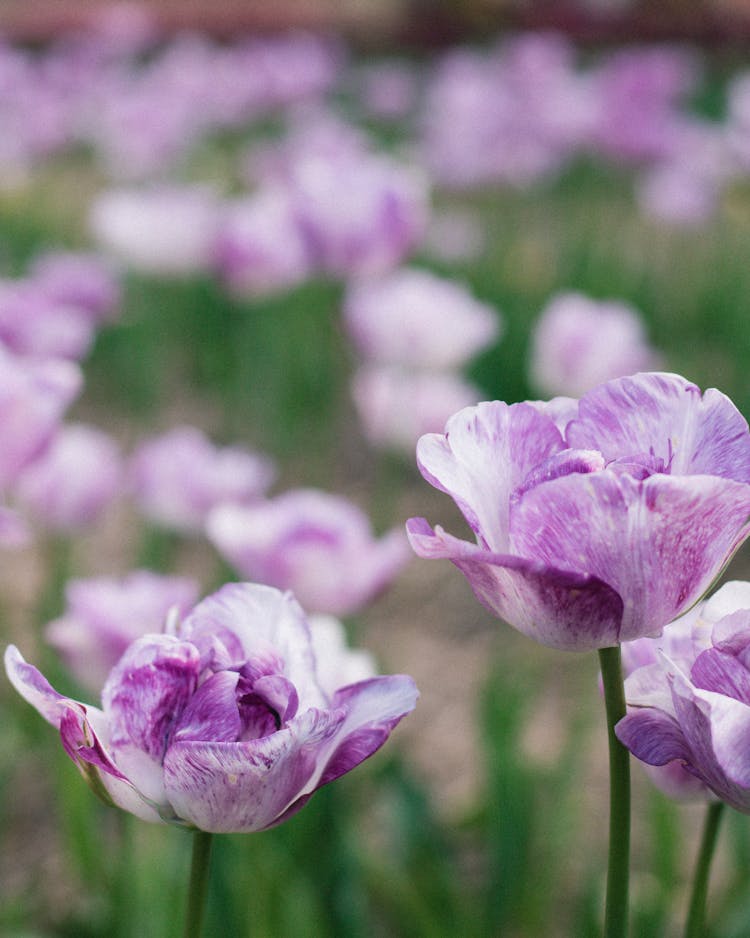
679	532
665	415
34	687
653	737
717	730
564	609
264	620
373	708
486	453
211	713
147	691
718	670
246	786
86	741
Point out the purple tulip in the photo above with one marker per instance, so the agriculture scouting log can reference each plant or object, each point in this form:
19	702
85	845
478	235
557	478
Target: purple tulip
33	397
76	478
159	231
82	281
317	545
604	532
690	709
416	319
104	615
360	215
33	323
222	723
259	246
579	343
379	394
178	477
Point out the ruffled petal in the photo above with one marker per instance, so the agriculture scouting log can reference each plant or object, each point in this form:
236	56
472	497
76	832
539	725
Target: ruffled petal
249	785
84	734
665	415
566	610
486	452
678	533
653	737
263	619
373	708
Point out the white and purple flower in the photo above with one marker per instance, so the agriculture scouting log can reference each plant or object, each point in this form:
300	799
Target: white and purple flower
221	723
602	531
319	546
179	476
689	701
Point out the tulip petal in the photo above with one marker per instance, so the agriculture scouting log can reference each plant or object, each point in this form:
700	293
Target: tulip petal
563	609
678	532
84	734
373	708
717	730
486	452
264	619
653	737
246	786
664	415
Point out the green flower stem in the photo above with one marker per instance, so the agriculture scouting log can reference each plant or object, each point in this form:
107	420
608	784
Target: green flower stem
696	920
198	886
616	911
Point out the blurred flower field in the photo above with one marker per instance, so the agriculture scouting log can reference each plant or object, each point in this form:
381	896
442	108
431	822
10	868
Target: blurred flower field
238	281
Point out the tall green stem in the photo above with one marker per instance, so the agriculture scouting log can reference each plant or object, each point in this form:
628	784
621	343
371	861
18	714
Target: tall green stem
696	920
616	911
198	886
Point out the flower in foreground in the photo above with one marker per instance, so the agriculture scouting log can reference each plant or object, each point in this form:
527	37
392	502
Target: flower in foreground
691	707
221	723
597	521
318	545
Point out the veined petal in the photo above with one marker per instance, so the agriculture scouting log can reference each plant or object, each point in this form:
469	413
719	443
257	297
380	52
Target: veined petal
373	708
485	454
567	610
263	619
84	734
34	687
665	415
147	691
246	786
717	730
675	532
653	737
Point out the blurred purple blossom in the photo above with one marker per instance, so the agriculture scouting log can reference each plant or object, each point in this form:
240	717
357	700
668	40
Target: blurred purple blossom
75	479
579	342
603	533
640	92
85	282
104	615
416	319
319	546
179	476
34	395
166	231
379	393
259	246
221	723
